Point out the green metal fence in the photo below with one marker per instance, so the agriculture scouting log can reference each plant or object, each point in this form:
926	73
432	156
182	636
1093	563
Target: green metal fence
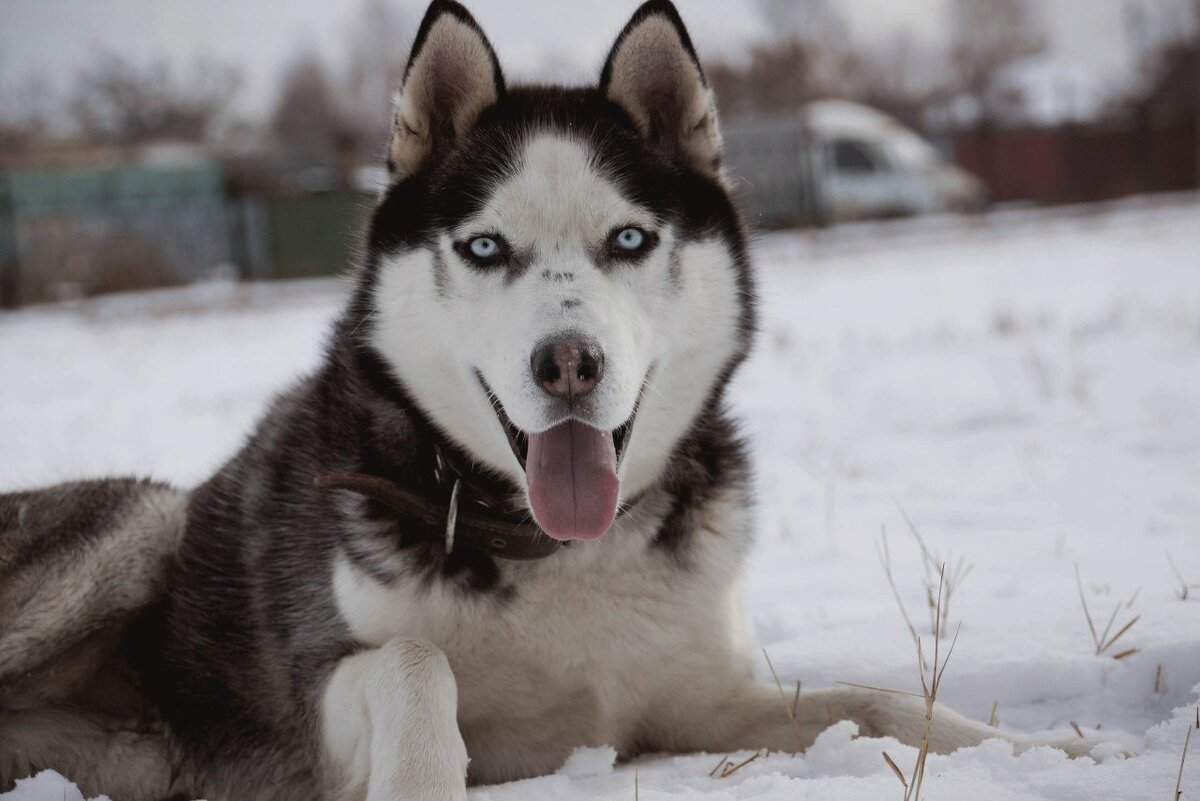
82	231
313	235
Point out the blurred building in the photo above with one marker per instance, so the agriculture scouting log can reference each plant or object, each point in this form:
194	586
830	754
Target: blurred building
1149	143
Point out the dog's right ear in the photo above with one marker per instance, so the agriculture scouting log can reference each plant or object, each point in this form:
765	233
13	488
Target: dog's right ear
653	73
452	76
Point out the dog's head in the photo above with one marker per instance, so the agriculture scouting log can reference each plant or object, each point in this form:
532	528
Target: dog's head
557	276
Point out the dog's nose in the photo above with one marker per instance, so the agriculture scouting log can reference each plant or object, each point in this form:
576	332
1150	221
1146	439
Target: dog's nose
568	366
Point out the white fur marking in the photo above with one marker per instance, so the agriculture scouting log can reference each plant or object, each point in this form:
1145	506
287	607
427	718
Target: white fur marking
389	725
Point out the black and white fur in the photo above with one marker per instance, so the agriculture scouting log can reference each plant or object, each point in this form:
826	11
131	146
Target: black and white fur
278	641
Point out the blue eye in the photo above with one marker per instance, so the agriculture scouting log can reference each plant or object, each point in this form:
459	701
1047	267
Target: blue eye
630	238
484	247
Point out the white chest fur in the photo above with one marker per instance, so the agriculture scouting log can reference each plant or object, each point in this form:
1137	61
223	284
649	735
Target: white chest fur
590	643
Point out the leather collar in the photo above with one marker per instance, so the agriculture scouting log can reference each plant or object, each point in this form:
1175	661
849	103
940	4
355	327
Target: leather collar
480	527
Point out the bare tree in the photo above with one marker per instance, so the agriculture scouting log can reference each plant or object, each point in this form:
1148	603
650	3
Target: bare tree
1169	90
904	76
809	54
118	101
377	42
1158	27
985	37
23	112
773	79
308	125
811	21
342	117
817	28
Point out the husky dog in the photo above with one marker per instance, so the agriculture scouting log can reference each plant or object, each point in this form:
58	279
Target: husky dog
505	517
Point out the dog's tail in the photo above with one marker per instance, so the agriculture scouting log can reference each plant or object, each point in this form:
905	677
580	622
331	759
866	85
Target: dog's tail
77	562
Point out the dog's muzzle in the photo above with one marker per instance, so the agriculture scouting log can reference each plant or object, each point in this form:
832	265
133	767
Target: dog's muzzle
571	468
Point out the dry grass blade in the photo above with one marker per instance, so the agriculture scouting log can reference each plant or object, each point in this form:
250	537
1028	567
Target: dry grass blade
949	653
1183	756
926	557
957	576
885	559
786	708
1086	612
1108	627
930	684
1158	679
636	790
732	769
879	689
931	676
720	765
949	581
1078	730
1108	643
1185	589
1103	642
994	719
895	769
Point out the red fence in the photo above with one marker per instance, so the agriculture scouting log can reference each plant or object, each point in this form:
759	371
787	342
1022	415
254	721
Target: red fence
1070	164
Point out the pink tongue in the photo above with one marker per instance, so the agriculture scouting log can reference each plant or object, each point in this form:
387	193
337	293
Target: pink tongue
573	484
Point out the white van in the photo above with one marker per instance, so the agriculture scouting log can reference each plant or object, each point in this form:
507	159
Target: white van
837	160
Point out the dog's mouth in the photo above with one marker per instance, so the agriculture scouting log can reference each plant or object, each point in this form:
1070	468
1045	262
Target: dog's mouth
571	472
518	440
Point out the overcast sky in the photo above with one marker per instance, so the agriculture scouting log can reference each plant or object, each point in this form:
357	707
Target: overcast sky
51	38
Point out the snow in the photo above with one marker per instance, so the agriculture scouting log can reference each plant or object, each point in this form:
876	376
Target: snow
584	762
47	786
1024	386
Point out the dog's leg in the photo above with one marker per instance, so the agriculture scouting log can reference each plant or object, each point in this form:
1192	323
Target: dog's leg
389	726
90	750
755	716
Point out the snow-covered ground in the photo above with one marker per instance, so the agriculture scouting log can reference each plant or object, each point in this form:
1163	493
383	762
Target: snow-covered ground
1025	386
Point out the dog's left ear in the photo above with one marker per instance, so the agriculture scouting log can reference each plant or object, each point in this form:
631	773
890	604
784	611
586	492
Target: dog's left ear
653	73
452	76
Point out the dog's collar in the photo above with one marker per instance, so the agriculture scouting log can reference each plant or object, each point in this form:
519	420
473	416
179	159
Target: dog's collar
479	528
474	515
